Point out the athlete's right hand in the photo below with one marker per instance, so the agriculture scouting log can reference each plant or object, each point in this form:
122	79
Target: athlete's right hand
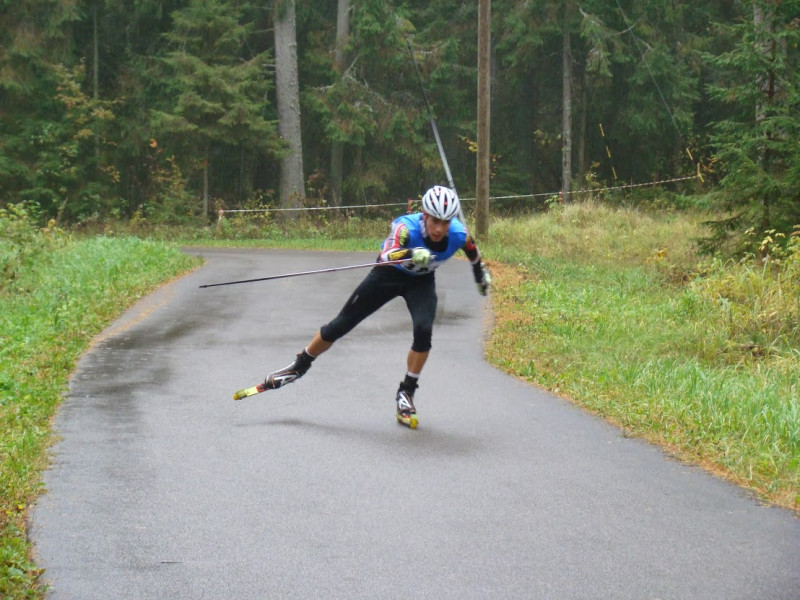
421	257
485	281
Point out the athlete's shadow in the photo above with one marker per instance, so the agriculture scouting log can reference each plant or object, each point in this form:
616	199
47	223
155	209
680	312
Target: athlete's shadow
426	439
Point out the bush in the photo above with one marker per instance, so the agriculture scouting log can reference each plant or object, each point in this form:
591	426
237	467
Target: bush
758	296
21	242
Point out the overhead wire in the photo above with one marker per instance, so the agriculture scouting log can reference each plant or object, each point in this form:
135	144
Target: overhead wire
470	199
630	29
671	114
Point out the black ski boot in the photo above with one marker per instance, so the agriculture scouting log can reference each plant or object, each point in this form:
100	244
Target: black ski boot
288	374
406	413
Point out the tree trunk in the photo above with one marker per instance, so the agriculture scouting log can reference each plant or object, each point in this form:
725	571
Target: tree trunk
763	23
566	120
243	186
582	131
484	112
339	59
96	82
292	184
205	181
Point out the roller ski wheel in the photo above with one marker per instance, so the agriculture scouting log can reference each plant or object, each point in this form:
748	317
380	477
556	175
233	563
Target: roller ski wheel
406	413
410	421
251	391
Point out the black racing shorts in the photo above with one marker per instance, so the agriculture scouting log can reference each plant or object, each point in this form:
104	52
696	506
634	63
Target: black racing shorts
382	284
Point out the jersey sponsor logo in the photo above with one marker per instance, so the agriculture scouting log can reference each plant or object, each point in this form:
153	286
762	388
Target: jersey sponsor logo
397	255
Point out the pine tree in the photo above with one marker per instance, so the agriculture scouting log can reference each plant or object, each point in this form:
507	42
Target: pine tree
213	91
756	149
43	122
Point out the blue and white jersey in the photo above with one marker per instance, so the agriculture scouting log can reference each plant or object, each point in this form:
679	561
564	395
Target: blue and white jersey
408	232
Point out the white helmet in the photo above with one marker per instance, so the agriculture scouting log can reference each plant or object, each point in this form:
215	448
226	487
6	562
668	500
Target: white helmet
441	202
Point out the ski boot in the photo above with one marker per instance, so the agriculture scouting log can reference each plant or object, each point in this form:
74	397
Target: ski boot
406	413
289	373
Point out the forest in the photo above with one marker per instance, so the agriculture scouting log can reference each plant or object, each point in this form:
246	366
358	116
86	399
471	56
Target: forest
168	110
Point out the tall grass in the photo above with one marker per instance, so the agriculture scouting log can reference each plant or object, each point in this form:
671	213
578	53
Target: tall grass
590	233
57	293
315	231
613	309
757	300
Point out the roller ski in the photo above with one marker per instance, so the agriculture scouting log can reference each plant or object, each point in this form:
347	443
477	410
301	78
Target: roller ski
279	378
406	413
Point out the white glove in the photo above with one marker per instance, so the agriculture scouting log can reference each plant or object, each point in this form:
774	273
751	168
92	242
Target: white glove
421	257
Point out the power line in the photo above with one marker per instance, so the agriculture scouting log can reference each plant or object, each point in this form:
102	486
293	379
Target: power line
658	88
508	197
649	71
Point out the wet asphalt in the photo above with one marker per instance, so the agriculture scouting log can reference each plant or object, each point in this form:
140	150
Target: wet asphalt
163	487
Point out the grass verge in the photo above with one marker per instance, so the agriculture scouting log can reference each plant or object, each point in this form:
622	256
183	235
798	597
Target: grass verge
610	309
58	293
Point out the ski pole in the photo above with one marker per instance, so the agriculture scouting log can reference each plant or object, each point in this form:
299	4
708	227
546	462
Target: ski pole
285	275
435	129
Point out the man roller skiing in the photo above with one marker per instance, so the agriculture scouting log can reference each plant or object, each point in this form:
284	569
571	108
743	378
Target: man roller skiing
424	241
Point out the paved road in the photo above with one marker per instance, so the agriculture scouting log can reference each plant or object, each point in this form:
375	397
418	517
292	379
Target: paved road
163	487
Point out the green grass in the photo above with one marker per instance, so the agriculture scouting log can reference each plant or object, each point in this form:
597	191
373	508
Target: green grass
57	294
315	232
613	310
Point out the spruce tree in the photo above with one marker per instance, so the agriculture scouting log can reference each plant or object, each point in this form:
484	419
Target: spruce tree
213	92
756	147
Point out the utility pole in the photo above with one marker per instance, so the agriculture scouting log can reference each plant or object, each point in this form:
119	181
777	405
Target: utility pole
484	112
566	94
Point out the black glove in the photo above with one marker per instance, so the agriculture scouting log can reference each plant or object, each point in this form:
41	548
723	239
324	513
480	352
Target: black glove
482	277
